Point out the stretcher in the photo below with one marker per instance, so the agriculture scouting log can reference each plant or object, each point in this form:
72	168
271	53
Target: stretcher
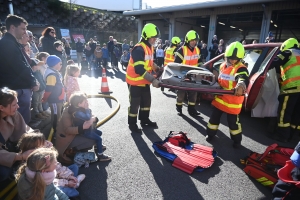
185	77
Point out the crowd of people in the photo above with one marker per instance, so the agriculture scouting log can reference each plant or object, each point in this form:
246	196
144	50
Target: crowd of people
45	73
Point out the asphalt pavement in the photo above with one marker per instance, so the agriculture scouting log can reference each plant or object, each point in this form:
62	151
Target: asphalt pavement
136	172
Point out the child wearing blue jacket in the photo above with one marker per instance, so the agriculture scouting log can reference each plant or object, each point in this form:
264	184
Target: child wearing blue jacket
105	55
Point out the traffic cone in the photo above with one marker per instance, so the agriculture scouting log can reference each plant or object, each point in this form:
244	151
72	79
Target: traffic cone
104	83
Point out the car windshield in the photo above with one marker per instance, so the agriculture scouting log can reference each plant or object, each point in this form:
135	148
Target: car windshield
266	60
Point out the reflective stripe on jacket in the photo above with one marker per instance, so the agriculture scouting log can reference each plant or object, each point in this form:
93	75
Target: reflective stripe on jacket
228	103
290	71
189	57
169	57
133	78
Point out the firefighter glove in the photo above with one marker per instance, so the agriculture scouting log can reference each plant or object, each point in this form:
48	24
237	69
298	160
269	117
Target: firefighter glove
155	83
149	77
240	89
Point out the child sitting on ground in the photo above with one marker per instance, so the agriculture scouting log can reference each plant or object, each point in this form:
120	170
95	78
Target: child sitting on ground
67	178
70	80
80	112
35	177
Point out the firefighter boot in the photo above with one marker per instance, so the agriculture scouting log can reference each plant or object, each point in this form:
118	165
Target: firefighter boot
179	109
237	139
210	134
192	111
148	122
132	125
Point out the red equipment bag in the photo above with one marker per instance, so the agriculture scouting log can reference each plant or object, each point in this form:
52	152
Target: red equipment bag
264	167
178	139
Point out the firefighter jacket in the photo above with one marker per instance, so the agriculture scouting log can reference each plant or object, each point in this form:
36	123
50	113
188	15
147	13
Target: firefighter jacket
188	56
228	79
140	63
169	55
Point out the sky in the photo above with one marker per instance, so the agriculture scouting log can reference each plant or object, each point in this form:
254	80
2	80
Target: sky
161	3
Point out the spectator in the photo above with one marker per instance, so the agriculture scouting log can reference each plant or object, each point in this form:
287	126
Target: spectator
213	50
3	30
105	55
124	59
67	47
110	47
89	55
42	56
160	54
166	45
37	95
70	80
204	52
33	46
27	50
219	50
80	112
48	39
92	44
12	127
96	39
60	52
214	39
79	50
84	63
254	42
35	177
125	46
98	56
58	49
131	45
200	44
244	42
54	92
270	37
15	70
116	55
223	45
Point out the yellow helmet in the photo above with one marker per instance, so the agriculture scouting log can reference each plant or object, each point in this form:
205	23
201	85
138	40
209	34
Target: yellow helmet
191	35
289	43
176	40
150	31
235	51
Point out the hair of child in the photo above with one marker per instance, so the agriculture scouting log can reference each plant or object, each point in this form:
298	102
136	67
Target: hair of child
39	160
70	71
70	62
77	98
7	96
41	55
30	141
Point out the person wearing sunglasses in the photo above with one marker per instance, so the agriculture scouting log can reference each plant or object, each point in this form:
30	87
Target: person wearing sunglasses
48	39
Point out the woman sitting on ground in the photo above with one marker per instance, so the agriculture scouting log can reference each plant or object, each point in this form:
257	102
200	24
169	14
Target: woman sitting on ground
12	127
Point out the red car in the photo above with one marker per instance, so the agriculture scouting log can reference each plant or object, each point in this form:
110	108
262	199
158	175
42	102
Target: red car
263	88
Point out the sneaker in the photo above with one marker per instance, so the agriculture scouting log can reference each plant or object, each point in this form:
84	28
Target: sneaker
103	147
80	178
103	157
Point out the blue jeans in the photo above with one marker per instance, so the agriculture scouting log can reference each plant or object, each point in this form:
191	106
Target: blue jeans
71	192
90	60
94	134
24	101
37	102
4	172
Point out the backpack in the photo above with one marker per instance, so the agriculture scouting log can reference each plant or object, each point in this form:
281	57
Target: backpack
264	167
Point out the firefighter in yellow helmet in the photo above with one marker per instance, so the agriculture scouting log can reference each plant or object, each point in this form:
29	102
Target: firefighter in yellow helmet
139	78
287	63
170	52
233	75
188	54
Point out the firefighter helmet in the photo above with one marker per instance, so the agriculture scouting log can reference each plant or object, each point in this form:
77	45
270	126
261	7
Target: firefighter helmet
176	40
235	51
150	31
289	43
191	35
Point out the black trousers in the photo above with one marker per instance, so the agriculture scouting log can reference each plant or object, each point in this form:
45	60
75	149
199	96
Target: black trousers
192	97
288	116
235	128
140	102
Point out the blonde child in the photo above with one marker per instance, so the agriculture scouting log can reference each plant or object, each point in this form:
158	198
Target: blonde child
67	178
70	80
35	177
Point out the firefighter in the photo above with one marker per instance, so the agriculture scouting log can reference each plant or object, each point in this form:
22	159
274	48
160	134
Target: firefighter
169	52
233	75
188	54
287	63
139	78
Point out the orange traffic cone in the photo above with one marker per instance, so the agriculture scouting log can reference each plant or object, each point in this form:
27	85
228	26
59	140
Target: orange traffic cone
104	83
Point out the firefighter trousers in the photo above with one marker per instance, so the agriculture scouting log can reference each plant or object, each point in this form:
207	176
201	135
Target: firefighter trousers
288	115
192	97
140	102
235	128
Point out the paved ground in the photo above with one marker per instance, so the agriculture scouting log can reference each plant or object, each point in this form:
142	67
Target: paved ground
136	172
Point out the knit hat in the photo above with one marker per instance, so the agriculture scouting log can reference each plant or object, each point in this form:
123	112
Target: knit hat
52	60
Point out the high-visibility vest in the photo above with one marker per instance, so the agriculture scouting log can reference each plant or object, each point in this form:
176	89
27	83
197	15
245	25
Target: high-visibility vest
169	57
228	103
189	57
133	78
290	71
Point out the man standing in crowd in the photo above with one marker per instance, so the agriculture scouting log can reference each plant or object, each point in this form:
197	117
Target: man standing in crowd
139	78
15	71
125	46
287	63
33	46
110	47
79	50
189	54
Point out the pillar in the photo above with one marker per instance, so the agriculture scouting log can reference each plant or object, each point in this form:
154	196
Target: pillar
140	27
265	25
171	28
211	32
